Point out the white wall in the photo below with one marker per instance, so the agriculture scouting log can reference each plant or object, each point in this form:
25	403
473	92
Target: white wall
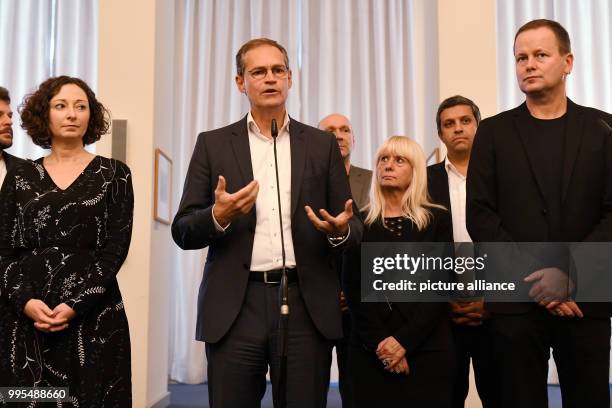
135	79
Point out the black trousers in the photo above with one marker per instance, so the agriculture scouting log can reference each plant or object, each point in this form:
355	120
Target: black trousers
237	364
342	356
428	385
581	349
474	343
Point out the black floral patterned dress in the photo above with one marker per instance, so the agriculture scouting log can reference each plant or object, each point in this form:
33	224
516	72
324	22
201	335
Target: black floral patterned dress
66	246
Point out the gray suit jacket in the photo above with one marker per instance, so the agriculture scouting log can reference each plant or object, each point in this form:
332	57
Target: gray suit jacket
360	181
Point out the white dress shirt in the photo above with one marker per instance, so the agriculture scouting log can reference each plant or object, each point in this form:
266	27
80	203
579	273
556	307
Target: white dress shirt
456	191
267	250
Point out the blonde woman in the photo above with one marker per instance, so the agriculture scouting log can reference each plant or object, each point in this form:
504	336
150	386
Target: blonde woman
401	353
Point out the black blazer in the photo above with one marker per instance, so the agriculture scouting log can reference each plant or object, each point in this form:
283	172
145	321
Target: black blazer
505	200
437	186
417	326
318	179
10	161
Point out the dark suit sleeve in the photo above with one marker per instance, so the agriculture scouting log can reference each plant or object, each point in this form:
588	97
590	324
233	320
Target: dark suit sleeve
482	219
603	230
193	226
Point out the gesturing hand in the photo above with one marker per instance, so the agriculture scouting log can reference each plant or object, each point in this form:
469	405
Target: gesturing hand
230	206
333	226
45	319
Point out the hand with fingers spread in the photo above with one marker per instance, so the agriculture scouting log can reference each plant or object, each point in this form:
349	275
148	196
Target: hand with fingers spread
229	206
44	318
549	284
333	226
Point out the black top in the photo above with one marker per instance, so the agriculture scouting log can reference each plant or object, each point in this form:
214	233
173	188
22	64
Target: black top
547	141
414	325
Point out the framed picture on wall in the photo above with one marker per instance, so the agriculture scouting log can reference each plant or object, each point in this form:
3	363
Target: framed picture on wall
162	206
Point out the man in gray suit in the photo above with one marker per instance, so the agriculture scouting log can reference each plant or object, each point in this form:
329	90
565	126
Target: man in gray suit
7	161
359	180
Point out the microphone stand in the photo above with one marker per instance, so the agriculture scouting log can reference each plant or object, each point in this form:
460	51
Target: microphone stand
283	324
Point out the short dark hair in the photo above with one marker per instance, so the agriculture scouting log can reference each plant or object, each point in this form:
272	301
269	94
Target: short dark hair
34	112
454	101
563	39
4	95
254	43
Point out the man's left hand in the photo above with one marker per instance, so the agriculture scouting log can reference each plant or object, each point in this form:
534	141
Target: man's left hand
549	284
333	226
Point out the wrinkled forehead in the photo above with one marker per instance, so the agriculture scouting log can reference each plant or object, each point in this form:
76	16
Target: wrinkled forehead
263	56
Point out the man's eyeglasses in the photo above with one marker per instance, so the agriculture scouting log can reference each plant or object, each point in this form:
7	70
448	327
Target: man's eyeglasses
278	71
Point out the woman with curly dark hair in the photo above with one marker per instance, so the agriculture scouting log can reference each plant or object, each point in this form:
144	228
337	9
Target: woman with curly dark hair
65	230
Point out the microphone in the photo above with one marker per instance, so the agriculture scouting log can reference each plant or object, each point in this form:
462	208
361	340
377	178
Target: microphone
283	325
274	129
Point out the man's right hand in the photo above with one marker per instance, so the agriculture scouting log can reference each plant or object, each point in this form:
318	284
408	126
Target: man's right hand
231	206
563	309
467	313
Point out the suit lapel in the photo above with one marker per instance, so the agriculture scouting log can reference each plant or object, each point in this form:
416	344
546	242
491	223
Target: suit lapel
355	182
446	190
521	122
298	143
242	151
573	137
442	186
8	161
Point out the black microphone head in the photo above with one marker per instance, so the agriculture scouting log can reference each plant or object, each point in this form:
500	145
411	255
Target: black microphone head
274	128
